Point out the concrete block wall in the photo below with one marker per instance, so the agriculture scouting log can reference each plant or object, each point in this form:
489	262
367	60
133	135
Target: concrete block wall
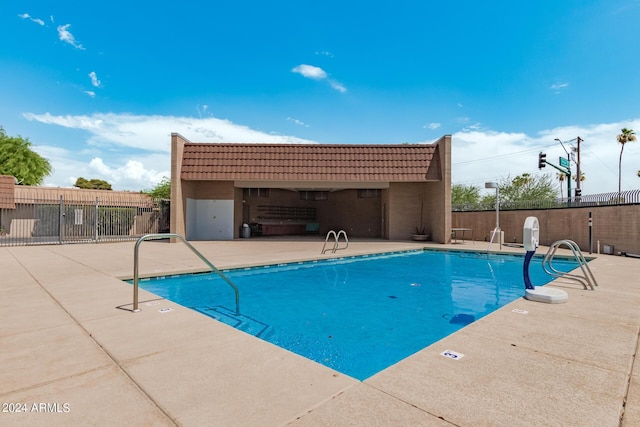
404	206
617	226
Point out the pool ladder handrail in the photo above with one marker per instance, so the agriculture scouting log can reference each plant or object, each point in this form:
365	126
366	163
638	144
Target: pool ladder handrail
161	236
496	232
336	240
587	279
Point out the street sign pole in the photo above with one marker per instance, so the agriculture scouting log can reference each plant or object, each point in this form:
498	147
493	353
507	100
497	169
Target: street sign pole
568	186
565	168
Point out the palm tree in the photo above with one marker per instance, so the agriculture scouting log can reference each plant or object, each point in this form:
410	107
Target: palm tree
582	177
626	135
561	176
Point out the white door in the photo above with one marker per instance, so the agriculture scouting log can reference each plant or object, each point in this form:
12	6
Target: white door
209	219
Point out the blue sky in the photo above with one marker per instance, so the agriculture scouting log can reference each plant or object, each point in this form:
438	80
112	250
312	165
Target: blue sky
98	89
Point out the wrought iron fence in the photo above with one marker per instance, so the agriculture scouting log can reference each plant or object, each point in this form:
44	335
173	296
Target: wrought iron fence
58	221
630	197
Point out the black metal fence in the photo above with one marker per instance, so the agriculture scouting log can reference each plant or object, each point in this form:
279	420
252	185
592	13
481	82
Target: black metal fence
58	221
630	197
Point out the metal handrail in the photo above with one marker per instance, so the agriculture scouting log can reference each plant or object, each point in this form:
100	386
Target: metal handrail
329	233
161	236
335	243
496	232
588	280
341	233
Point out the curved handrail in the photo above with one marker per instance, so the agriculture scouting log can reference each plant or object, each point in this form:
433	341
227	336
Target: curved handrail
588	280
549	269
584	266
329	233
160	236
341	233
335	243
498	232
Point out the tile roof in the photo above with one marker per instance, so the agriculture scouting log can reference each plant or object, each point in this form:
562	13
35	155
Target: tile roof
311	162
29	194
11	194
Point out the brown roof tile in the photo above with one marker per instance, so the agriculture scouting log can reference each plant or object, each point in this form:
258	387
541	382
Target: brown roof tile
29	194
311	162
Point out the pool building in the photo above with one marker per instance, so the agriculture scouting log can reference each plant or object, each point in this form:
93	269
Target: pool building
370	191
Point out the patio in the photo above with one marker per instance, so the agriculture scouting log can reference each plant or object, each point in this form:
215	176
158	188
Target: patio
71	346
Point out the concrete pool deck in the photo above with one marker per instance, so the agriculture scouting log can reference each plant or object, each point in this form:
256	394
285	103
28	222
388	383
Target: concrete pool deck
73	354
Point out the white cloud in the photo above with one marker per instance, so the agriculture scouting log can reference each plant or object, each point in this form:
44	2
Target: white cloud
134	150
94	79
122	173
66	36
298	122
311	72
479	156
317	73
201	109
558	87
132	174
36	20
432	126
472	127
152	133
91	93
324	53
337	86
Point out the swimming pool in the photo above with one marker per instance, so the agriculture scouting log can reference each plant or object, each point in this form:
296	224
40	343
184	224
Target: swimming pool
358	315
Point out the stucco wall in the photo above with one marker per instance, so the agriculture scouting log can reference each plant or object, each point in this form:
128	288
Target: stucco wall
210	190
177	209
404	209
405	202
618	226
439	207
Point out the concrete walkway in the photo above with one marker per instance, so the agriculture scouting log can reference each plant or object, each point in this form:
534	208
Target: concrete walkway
73	354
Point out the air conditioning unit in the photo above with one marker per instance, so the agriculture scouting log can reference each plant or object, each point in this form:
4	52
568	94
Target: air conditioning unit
607	249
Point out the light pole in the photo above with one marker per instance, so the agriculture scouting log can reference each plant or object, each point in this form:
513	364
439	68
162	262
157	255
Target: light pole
497	229
577	162
579	173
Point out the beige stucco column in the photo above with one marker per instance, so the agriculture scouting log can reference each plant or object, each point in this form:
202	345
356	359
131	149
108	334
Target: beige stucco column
442	229
177	223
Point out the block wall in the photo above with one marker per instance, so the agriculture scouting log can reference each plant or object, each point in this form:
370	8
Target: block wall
617	226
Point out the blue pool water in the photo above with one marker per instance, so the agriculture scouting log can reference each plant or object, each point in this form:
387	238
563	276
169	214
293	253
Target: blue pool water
358	315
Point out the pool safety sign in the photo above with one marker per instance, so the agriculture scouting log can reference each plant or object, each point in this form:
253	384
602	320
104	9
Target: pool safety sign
452	354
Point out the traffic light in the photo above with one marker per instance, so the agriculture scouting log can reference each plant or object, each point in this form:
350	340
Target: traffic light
542	160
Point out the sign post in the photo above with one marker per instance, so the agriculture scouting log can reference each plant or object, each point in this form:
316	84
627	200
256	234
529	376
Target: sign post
565	168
